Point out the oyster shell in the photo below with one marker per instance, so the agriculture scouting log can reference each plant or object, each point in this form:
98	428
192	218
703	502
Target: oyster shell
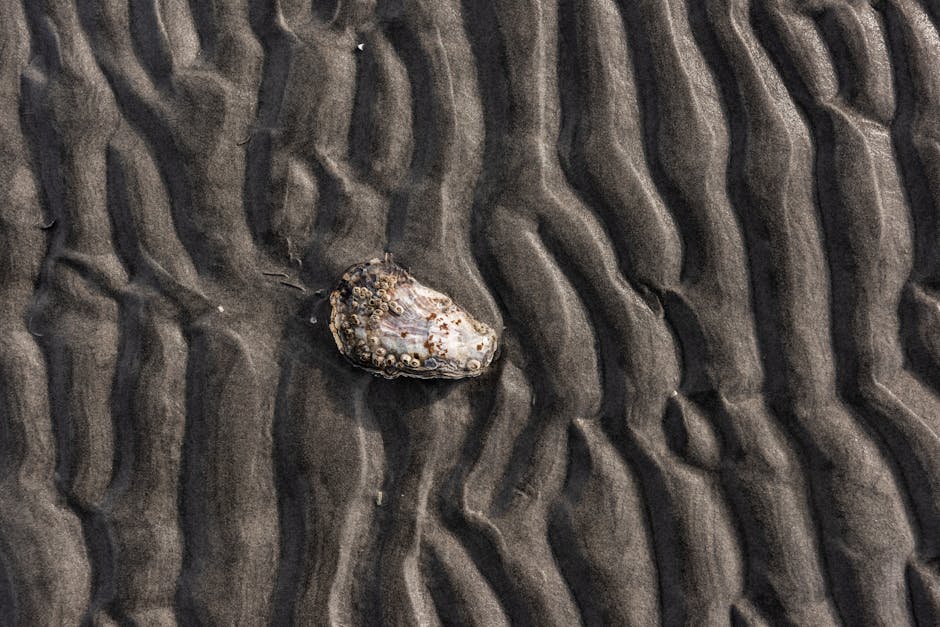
385	321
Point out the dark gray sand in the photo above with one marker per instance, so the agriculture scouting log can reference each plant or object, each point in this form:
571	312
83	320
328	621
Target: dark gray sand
708	232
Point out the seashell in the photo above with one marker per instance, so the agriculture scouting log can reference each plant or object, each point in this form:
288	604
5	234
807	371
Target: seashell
388	323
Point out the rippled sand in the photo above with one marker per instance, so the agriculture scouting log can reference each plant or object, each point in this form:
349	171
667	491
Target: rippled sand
706	232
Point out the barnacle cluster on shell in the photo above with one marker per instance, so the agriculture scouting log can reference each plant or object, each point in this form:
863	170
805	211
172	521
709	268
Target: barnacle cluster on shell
387	322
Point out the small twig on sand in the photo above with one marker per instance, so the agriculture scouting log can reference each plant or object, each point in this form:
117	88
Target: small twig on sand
283	274
46	227
244	141
296	287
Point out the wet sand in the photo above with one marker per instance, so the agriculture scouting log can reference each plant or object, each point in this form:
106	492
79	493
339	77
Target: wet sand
706	232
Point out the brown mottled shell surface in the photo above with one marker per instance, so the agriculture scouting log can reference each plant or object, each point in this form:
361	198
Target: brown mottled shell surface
385	321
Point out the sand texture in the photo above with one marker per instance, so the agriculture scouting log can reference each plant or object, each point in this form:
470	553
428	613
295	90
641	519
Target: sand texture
707	232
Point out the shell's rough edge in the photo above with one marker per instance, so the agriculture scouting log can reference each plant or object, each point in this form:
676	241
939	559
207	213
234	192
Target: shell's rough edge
385	321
